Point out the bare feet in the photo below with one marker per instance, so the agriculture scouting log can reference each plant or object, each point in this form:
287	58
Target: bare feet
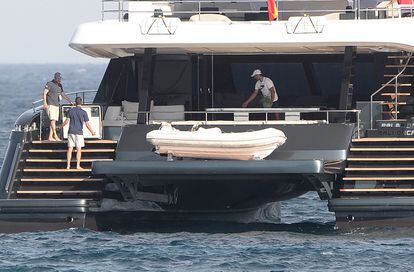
57	139
67	167
51	140
79	168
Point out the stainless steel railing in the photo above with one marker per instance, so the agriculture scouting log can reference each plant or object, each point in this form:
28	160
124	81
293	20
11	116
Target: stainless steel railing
208	115
85	94
395	80
119	8
37	106
328	115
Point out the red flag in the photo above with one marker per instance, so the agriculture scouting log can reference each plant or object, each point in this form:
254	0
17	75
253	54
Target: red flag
272	10
405	2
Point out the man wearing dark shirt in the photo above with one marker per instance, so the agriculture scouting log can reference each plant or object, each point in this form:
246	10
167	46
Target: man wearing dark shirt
51	93
76	118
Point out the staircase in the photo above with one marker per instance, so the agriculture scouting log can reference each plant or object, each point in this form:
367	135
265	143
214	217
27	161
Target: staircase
401	87
380	167
42	171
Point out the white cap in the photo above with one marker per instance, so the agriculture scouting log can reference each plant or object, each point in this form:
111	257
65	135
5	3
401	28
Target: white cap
256	72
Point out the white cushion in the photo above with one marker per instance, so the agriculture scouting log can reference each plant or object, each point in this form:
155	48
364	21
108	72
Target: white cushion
130	109
130	106
131	115
113	113
209	18
167	113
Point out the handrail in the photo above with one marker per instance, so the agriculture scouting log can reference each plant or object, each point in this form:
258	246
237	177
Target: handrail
387	84
83	92
35	106
392	11
252	110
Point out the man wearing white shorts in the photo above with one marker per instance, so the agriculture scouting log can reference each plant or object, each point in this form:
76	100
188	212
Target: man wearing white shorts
51	103
76	118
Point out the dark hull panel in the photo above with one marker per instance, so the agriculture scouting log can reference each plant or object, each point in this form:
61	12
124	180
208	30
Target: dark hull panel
40	215
205	195
18	215
173	221
198	185
370	212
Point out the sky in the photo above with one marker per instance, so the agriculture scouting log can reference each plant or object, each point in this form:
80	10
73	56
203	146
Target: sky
39	31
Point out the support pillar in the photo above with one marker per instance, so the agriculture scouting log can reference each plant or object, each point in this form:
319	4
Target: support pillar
314	86
345	95
145	80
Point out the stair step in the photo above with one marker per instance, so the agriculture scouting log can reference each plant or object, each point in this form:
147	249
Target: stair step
379	190
393	103
63	170
379	168
64	160
60	192
399	84
84	179
381	159
398	65
371	139
382	149
378	178
403	75
393	94
74	150
86	142
398	57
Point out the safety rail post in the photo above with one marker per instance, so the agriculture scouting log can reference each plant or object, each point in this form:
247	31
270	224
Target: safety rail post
358	112
119	10
103	10
40	124
199	10
396	98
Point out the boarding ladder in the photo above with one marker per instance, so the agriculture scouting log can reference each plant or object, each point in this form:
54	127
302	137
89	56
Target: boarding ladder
396	91
384	165
379	166
42	172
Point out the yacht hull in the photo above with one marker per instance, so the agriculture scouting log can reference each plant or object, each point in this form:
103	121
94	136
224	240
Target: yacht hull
143	189
371	212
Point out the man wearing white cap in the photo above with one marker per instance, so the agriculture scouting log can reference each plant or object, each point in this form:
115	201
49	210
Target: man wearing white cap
266	87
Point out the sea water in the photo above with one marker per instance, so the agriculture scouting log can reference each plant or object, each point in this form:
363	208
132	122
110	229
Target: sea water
305	240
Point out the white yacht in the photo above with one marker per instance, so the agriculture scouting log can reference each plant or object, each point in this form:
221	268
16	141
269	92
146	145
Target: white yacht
343	73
